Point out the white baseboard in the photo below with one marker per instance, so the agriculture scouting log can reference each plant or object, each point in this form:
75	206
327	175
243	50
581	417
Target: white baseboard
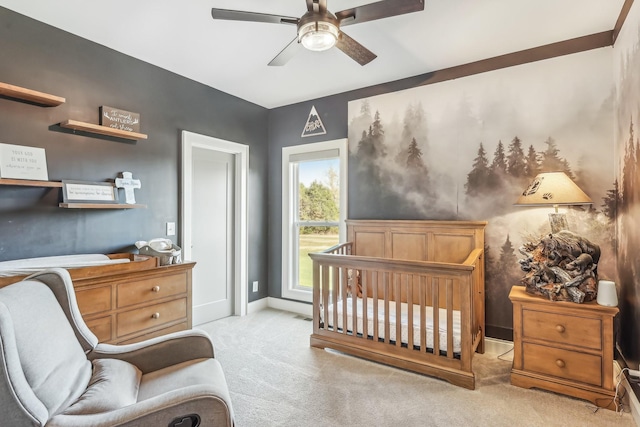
257	305
280	304
292	306
630	399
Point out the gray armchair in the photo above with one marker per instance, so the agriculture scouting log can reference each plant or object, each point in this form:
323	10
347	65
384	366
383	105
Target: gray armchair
53	371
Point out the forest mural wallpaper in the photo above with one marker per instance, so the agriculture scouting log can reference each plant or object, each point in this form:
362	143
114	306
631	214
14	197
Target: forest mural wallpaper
627	143
465	149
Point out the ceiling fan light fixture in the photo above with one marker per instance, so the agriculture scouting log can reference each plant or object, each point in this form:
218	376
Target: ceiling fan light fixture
318	35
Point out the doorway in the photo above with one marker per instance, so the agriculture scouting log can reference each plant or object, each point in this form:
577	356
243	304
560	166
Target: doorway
214	224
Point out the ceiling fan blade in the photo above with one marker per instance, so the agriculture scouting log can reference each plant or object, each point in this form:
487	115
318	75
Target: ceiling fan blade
286	54
378	10
355	50
239	15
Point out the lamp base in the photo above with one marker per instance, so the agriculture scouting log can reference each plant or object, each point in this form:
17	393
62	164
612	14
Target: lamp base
558	222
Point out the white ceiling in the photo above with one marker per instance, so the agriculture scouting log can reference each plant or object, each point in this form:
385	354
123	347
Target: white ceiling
232	56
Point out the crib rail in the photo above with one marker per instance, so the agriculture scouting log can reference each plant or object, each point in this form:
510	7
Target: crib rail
357	298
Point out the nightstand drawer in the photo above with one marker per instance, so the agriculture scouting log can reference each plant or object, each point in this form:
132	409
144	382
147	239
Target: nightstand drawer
151	289
570	365
563	329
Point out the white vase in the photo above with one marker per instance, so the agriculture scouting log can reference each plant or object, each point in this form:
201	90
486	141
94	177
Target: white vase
607	294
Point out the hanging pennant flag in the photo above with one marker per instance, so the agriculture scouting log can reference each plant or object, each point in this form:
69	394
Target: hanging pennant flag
314	125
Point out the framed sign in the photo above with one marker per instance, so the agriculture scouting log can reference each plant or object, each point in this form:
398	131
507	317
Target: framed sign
119	119
88	192
20	162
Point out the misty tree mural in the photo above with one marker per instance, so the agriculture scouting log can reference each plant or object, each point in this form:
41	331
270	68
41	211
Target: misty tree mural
466	149
623	200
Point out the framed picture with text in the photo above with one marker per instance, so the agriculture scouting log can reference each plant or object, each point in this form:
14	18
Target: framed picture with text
89	192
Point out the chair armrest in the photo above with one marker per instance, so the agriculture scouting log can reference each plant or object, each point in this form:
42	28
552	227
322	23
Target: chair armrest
160	352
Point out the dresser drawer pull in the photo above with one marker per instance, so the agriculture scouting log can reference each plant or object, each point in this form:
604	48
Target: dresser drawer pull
560	363
155	289
155	316
560	328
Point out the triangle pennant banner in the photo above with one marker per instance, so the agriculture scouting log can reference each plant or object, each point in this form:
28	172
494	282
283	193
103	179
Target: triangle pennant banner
314	124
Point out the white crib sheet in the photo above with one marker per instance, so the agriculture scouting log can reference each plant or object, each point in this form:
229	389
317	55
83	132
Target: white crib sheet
442	322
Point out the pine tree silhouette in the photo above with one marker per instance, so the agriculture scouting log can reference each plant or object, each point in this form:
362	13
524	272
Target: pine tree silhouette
478	178
611	202
628	172
499	163
498	168
414	158
516	164
552	162
531	165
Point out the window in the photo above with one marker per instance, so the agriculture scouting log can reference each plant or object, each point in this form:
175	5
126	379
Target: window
314	205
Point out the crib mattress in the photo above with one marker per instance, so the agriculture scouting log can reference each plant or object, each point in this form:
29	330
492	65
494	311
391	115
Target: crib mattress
404	320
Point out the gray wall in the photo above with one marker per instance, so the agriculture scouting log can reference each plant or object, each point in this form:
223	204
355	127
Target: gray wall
88	75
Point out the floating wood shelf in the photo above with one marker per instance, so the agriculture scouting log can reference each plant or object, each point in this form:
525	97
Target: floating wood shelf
30	183
29	95
100	206
102	130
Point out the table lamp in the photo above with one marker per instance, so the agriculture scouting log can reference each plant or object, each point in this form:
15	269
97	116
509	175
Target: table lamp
553	189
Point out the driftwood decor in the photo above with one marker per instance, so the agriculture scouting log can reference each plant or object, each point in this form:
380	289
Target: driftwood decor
561	266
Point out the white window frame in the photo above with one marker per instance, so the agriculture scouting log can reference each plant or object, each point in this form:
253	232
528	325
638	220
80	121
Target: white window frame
290	185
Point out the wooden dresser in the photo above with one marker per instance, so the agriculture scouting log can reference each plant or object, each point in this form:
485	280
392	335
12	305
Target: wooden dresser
563	347
134	301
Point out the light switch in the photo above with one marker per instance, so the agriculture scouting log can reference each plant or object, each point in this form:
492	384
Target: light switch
171	229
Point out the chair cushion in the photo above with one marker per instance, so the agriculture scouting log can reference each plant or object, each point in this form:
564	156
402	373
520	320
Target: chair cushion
54	364
193	373
114	384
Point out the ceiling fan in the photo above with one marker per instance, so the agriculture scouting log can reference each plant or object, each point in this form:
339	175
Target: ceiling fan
319	29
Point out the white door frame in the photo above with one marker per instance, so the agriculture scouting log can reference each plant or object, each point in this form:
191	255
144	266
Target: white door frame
189	141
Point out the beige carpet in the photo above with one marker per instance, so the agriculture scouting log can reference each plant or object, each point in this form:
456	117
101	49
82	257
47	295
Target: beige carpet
277	379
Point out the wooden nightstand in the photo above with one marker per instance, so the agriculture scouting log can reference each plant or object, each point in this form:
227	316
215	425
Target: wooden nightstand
563	347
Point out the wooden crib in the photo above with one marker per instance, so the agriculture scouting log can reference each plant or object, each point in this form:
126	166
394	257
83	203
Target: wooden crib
382	295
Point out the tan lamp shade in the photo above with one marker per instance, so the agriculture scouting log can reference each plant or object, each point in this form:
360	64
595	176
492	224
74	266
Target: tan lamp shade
553	188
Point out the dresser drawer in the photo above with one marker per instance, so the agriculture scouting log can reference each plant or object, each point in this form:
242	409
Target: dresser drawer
175	328
101	327
95	300
563	329
131	293
570	365
151	316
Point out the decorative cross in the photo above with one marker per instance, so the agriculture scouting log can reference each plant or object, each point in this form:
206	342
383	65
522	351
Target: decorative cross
127	182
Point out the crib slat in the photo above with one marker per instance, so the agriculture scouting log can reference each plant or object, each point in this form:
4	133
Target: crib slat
334	299
317	304
409	278
374	296
354	301
343	295
397	281
325	295
423	312
449	284
435	304
385	319
365	276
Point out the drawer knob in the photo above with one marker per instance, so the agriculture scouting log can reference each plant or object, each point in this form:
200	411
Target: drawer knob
560	363
155	315
155	289
560	328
